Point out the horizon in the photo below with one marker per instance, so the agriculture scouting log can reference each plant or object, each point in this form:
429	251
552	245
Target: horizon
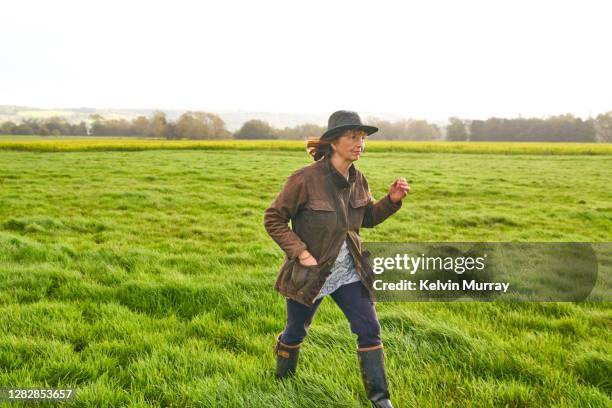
363	115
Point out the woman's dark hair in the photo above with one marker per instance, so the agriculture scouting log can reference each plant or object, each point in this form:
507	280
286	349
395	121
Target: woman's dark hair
318	148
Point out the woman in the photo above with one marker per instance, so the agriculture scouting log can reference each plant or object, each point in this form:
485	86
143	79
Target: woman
327	202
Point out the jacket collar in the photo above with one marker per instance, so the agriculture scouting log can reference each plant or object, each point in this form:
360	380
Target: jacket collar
337	177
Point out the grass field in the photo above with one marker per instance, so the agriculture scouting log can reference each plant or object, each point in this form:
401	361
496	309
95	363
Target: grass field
82	143
145	278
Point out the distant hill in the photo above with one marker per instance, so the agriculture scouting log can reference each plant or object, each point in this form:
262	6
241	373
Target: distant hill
233	119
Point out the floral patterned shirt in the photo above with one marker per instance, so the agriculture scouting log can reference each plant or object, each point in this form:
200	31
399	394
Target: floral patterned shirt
343	272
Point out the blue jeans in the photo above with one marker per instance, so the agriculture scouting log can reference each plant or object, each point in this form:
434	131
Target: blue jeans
354	303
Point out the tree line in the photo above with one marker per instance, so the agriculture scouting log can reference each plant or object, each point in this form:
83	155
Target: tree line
204	125
561	128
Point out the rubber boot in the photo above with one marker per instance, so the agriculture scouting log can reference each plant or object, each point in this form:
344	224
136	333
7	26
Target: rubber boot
371	361
286	358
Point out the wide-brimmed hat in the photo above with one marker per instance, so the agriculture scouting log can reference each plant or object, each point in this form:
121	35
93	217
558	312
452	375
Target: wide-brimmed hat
343	120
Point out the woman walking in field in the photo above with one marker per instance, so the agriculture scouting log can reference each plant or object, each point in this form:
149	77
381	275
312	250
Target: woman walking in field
328	202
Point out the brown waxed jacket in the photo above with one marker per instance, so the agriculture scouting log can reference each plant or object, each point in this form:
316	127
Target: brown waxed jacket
324	208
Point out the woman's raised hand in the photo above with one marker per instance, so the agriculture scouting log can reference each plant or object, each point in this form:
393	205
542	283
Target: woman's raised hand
398	189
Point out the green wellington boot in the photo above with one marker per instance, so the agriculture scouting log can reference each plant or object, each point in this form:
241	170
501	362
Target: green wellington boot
286	358
371	361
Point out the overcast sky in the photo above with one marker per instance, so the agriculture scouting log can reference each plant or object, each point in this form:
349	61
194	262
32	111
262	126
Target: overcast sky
428	59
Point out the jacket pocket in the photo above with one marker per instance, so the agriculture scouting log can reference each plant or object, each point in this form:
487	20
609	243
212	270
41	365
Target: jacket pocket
320	205
357	202
357	211
301	273
322	216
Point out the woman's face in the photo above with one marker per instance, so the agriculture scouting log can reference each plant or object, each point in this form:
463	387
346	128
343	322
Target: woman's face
351	144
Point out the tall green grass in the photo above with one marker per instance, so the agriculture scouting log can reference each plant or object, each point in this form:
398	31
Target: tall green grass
146	278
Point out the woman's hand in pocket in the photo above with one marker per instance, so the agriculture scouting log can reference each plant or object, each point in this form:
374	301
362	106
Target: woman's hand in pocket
307	259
